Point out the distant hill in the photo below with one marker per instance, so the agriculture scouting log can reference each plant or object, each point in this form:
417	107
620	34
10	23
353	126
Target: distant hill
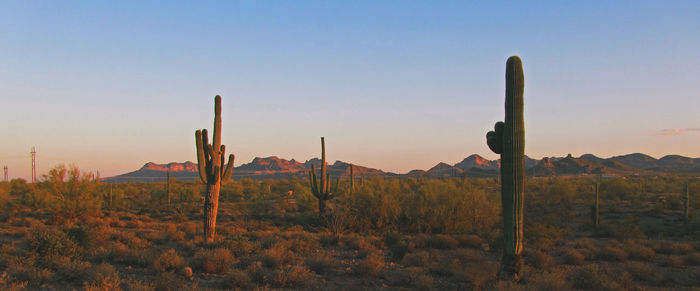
260	168
472	166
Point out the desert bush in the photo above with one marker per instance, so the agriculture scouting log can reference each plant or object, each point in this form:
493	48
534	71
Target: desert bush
442	241
573	257
538	259
169	281
103	277
639	252
361	245
47	243
277	255
693	259
22	269
549	280
168	261
71	270
138	285
292	276
399	250
423	282
417	259
74	194
618	189
237	279
594	277
87	237
611	253
671	247
216	261
303	244
238	244
673	261
469	241
371	265
537	231
629	229
256	272
191	229
642	272
321	262
7	284
391	238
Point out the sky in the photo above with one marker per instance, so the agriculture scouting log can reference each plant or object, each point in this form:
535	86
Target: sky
397	85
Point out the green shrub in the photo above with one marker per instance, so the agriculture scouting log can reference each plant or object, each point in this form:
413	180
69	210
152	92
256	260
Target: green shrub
47	243
238	244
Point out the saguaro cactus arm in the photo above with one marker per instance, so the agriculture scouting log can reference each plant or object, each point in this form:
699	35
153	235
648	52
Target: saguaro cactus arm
211	157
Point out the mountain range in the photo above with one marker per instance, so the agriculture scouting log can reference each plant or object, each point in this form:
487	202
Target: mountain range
472	166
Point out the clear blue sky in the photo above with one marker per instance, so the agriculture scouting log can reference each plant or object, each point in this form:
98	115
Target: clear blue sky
396	85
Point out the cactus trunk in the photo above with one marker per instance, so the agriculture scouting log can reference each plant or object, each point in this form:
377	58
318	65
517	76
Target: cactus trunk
508	140
167	186
210	161
352	180
686	203
596	209
211	207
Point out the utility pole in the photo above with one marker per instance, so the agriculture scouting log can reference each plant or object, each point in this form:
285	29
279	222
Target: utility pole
33	152
6	177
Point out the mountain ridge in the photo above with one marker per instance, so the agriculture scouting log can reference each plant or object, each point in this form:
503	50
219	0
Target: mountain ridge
273	167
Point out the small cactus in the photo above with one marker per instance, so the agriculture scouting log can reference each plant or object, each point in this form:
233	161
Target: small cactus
352	180
686	203
508	140
167	186
595	208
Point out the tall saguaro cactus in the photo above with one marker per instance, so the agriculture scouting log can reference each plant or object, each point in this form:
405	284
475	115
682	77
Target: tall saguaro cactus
508	140
211	161
321	187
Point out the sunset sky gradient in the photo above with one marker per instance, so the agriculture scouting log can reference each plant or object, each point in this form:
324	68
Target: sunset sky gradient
395	85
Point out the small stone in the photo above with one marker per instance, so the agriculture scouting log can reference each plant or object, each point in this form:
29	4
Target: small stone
187	273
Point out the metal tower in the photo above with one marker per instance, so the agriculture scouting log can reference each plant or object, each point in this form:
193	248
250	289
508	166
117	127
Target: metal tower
6	177
33	152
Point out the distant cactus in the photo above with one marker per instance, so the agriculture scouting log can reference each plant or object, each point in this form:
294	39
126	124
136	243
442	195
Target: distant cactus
508	140
321	187
352	180
167	186
210	159
686	203
595	208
